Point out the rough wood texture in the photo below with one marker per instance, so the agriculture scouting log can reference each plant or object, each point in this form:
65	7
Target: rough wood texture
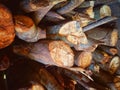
70	30
102	11
101	57
108	36
90	46
48	52
39	14
72	4
82	18
54	17
99	22
106	62
83	59
33	5
109	50
7	33
40	7
26	29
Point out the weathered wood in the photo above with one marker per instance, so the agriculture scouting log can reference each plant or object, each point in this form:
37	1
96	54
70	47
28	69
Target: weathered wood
102	11
72	4
90	46
114	64
48	52
39	14
99	22
40	7
71	31
86	4
54	17
106	62
109	50
82	18
98	2
101	57
75	76
107	35
34	5
26	29
83	59
89	12
7	32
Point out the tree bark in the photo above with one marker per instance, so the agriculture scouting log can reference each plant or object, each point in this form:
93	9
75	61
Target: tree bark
48	52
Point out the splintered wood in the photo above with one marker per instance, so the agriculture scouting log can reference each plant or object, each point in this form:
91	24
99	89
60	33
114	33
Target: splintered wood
59	45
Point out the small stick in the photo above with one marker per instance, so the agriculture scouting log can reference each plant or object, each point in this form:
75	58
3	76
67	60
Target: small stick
99	22
70	6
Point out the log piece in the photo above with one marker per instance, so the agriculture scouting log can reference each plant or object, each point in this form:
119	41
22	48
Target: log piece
102	11
26	29
109	50
107	35
83	59
72	4
106	62
90	46
99	22
7	32
48	52
86	4
82	18
101	57
70	31
40	7
54	17
34	5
